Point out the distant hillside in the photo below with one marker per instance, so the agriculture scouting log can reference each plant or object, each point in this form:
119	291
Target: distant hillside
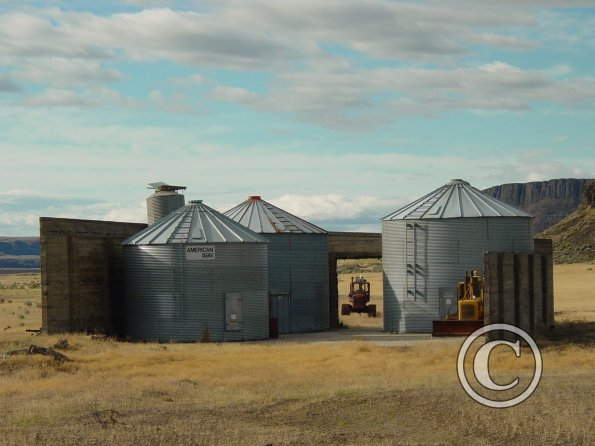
19	252
548	201
19	246
574	236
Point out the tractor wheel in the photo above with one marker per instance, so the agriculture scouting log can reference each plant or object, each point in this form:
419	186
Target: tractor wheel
345	310
371	310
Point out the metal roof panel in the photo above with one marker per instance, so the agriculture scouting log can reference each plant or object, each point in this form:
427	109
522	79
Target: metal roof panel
264	218
456	199
194	223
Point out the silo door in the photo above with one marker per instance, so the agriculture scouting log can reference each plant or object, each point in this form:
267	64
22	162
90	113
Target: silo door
233	311
448	301
281	309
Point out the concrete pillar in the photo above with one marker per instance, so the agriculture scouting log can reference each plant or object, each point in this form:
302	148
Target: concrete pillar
524	295
491	289
538	322
549	294
507	293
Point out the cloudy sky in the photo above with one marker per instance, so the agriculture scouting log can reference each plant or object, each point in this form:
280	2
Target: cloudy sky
337	110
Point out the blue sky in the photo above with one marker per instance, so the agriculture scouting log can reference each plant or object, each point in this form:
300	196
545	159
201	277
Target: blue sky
338	111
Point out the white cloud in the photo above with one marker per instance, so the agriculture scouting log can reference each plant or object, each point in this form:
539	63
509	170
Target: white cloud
137	212
22	209
156	96
335	94
7	85
60	98
509	42
340	191
234	94
174	104
291	41
265	33
63	72
87	98
189	81
335	207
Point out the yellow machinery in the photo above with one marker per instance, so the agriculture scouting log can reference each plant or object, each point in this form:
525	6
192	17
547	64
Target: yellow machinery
469	314
470	298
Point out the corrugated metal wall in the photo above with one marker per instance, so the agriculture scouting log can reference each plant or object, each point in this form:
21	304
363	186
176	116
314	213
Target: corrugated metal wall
298	267
171	298
423	260
161	204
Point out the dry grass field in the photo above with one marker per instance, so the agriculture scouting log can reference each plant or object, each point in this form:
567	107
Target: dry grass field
574	288
287	393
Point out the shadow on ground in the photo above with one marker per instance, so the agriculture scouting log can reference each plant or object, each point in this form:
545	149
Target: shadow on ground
571	332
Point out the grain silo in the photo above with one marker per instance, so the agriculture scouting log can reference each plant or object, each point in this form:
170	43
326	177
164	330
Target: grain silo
298	265
196	274
163	201
429	244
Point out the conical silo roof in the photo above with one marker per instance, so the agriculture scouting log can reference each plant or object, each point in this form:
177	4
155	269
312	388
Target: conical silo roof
194	223
456	199
262	217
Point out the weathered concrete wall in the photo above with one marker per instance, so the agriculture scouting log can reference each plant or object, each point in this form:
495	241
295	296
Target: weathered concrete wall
348	245
519	288
355	245
81	273
543	246
82	276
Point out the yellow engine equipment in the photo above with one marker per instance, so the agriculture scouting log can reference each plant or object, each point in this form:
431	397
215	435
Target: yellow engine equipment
470	297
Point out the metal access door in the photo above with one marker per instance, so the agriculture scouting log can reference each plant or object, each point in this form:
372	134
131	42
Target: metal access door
281	309
448	301
233	311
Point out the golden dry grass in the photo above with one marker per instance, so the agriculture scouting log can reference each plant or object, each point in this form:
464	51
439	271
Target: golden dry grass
574	291
20	304
281	393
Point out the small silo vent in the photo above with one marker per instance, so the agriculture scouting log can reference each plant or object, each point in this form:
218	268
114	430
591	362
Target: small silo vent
163	201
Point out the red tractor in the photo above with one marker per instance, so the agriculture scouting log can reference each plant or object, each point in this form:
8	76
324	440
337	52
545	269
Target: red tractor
359	298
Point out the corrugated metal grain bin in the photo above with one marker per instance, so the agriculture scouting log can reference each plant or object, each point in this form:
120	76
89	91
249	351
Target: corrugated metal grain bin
298	265
196	274
429	244
163	201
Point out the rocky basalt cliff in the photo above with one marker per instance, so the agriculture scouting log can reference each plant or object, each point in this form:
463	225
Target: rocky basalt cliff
548	201
574	236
